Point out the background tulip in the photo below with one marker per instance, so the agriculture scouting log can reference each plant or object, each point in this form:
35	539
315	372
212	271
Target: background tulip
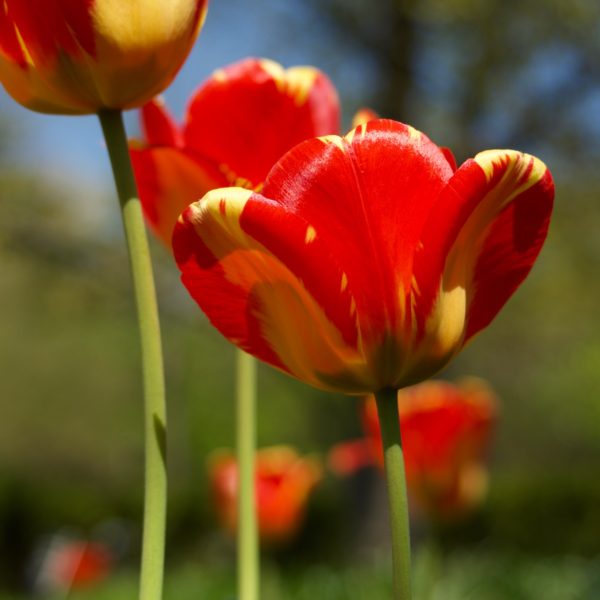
82	56
283	483
237	126
446	432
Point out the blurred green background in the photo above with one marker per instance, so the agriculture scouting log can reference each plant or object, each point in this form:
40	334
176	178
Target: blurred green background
472	74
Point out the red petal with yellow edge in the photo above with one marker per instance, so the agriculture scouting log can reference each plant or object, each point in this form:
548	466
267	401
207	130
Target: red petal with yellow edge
170	179
480	243
268	282
368	195
48	28
252	112
158	126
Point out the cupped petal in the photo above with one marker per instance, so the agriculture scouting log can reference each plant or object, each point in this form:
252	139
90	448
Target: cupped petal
250	113
269	283
369	195
169	179
480	243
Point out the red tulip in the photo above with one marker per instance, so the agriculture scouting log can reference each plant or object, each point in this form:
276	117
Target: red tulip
284	481
238	124
446	431
366	262
70	564
82	56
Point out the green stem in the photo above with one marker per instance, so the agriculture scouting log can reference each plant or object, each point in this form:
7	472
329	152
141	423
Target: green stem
387	409
155	495
248	553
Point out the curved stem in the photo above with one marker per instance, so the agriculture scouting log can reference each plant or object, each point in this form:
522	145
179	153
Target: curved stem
387	409
248	551
155	495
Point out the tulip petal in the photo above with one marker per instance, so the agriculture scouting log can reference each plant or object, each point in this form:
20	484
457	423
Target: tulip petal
170	179
268	282
158	126
252	112
66	27
482	240
369	195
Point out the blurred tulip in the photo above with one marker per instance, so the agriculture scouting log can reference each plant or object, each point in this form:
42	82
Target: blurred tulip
237	125
83	56
446	432
284	481
70	563
366	262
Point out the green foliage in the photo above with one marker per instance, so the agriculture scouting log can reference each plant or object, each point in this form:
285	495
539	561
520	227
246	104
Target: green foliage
465	576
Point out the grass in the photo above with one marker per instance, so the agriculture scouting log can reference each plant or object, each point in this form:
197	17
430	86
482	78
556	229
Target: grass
463	576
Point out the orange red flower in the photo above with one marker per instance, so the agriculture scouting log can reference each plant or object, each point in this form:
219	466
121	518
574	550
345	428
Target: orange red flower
69	564
446	431
284	481
366	261
82	56
237	125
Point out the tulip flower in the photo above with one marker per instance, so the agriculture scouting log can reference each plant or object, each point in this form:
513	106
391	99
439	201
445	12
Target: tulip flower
283	484
366	262
69	564
446	431
237	125
103	56
84	56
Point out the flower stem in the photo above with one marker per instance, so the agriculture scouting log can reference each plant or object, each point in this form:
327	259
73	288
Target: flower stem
387	409
248	554
155	495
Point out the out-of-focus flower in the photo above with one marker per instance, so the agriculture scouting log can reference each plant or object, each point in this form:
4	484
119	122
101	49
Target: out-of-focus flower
82	56
284	481
71	563
366	262
237	125
446	431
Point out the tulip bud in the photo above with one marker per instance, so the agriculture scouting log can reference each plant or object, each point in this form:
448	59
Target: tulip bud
83	56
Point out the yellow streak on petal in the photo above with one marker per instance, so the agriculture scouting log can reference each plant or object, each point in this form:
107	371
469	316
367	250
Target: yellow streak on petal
414	134
300	81
220	75
275	70
333	139
363	116
24	49
344	282
311	234
219	213
296	82
518	169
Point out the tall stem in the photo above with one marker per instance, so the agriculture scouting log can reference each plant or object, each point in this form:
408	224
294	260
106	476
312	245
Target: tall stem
387	409
248	551
155	494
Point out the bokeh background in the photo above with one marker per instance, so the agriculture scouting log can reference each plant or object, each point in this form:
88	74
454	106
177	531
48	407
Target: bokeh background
472	74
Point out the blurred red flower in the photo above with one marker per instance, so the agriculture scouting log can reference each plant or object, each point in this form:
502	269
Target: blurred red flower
366	262
446	431
238	124
284	481
70	563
